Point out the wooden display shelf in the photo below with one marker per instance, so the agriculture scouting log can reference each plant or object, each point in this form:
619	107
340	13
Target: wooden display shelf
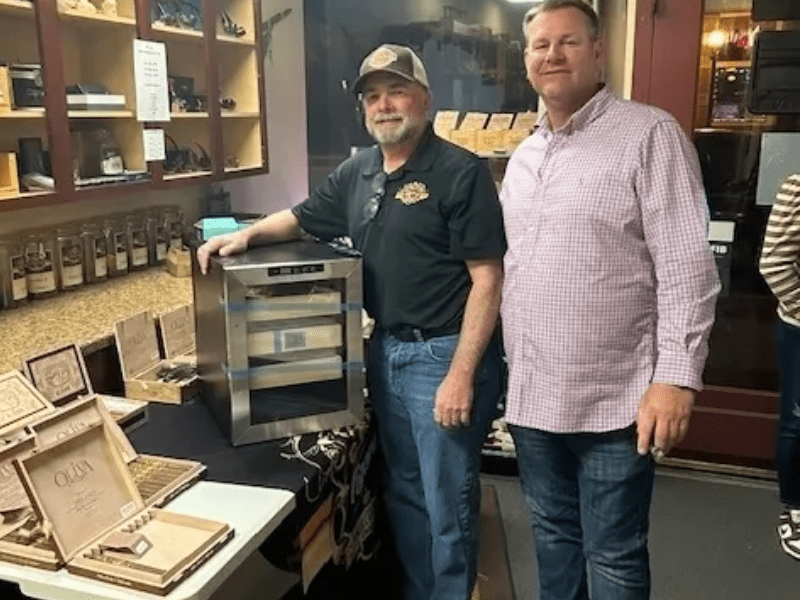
161	31
188	115
24	113
21	8
189	175
100	19
234	41
241	114
100	114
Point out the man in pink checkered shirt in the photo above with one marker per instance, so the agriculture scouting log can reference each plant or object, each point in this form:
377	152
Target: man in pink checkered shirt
608	302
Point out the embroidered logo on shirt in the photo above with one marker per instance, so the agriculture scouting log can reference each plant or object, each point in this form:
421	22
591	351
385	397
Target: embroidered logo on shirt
381	58
413	192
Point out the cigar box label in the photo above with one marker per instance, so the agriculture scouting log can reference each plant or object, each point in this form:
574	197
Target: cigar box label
500	121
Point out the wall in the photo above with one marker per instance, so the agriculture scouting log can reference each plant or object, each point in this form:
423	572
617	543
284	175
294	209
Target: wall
286	183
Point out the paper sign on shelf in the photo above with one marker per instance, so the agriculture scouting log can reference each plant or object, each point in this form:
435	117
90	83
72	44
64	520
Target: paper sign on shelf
150	74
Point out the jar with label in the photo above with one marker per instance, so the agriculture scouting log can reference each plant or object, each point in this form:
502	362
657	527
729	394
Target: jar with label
95	252
137	242
40	269
151	221
14	289
117	240
173	220
69	257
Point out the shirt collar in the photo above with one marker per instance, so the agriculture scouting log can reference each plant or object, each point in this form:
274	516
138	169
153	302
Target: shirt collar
587	113
421	159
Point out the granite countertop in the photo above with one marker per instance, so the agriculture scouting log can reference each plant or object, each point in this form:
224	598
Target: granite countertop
86	316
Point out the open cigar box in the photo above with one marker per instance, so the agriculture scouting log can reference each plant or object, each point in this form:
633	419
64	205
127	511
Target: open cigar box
15	506
88	503
60	375
178	335
158	479
20	403
146	375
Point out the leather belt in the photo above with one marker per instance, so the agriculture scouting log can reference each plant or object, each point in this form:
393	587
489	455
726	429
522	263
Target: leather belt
406	333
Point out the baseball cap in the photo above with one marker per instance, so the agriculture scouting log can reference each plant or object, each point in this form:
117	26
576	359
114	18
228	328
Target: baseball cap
389	58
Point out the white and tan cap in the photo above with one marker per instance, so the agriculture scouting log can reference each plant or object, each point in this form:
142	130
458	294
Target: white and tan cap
390	58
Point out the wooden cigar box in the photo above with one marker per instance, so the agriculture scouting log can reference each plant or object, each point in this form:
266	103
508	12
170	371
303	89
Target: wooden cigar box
158	478
147	376
21	540
60	375
178	335
179	263
87	501
20	403
5	89
9	179
466	138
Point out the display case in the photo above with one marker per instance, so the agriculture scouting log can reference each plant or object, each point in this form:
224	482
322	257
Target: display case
279	340
68	96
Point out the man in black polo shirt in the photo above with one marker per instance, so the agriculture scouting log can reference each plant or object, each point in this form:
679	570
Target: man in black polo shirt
425	216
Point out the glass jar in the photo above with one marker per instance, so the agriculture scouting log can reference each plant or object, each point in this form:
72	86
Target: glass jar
69	257
14	289
152	226
40	269
95	252
136	239
173	221
117	241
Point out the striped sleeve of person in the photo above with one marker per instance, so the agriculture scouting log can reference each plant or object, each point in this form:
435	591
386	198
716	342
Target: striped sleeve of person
780	255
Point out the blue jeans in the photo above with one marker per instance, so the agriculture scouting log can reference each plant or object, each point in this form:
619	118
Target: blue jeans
788	445
589	499
432	485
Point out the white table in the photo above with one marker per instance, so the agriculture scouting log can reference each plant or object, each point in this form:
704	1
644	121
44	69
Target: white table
253	513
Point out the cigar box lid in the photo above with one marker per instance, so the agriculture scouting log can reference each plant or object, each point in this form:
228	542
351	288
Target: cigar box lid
12	494
59	373
137	344
20	402
500	121
177	331
525	120
473	120
77	416
80	488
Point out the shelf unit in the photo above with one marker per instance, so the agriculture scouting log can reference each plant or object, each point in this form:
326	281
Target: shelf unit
72	47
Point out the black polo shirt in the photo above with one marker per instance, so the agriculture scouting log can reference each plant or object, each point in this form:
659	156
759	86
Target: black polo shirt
436	211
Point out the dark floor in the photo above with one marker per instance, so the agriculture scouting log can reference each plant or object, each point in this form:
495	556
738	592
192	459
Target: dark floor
712	538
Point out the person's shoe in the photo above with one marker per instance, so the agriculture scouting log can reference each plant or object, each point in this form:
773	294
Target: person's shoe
789	532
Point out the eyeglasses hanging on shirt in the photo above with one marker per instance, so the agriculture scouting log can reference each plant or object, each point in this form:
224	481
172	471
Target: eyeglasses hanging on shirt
373	204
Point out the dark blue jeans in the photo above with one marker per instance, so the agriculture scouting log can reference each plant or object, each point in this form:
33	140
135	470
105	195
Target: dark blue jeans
432	483
589	499
788	445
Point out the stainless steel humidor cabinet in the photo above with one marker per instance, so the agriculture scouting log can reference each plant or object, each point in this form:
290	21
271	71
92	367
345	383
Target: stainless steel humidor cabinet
280	348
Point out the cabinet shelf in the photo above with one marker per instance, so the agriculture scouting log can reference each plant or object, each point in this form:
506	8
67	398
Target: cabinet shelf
240	114
189	115
189	175
99	19
234	41
161	32
100	114
24	113
20	8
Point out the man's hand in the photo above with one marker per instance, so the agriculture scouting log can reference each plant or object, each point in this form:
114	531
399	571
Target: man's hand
225	245
663	417
452	406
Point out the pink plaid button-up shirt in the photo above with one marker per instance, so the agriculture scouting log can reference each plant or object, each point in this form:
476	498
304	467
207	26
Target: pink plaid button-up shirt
609	281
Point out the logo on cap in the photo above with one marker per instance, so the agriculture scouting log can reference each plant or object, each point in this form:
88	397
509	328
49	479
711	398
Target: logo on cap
382	58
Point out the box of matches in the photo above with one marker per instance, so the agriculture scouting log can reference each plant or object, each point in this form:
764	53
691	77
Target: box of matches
147	376
60	374
87	500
